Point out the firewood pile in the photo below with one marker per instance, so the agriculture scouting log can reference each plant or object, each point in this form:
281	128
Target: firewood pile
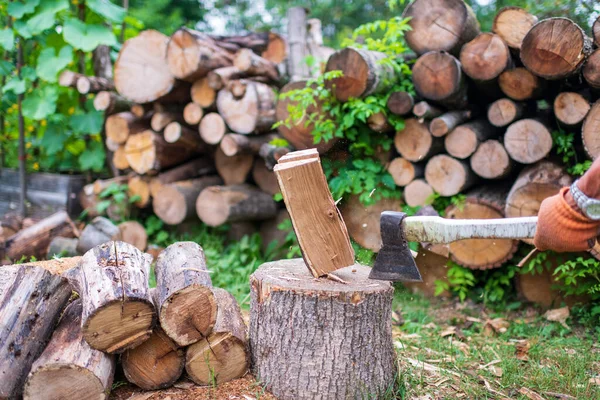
183	324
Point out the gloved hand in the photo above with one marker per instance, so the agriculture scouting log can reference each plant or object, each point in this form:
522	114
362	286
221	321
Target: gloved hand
561	228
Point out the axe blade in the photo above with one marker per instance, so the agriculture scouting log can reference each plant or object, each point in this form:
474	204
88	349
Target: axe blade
394	261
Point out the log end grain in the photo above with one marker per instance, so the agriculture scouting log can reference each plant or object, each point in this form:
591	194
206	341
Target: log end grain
502	112
512	24
485	57
418	193
137	186
528	141
402	171
571	108
212	128
202	94
182	54
400	103
461	142
414	141
192	113
437	76
235	169
356	72
140	151
520	84
448	176
591	69
491	161
133	232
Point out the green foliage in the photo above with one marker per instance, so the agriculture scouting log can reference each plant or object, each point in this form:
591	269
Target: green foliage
460	281
115	195
565	149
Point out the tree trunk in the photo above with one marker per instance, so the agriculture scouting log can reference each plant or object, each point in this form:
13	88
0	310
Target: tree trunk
93	84
512	24
297	66
254	65
363	73
218	78
415	143
463	141
217	205
34	240
111	103
482	203
448	176
378	123
264	178
491	161
234	170
401	103
234	144
176	202
589	132
253	113
424	110
418	193
485	57
112	281
133	232
571	108
591	69
189	170
69	367
555	48
438	76
221	356
445	123
202	94
186	306
520	84
358	316
62	247
404	172
181	134
120	126
31	300
141	74
528	141
212	128
433	268
504	112
192	113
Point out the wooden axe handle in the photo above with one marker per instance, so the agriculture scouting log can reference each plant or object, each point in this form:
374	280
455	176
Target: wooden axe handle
443	230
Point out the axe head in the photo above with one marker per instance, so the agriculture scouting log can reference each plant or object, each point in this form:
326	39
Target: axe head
394	261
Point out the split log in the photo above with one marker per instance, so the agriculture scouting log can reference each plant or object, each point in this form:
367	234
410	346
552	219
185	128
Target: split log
112	281
378	122
528	141
433	268
363	73
504	112
133	232
491	161
483	203
218	78
362	327
186	305
34	240
254	65
141	74
512	24
424	110
235	169
111	103
444	25
93	84
182	135
176	202
415	143
62	247
555	48
520	84
189	170
212	128
221	356
591	69
217	205
100	230
31	300
202	94
571	108
446	122
148	152
418	193
69	368
274	238
485	57
589	132
138	186
233	144
363	221
276	50
463	141
192	113
404	172
264	178
120	126
448	176
401	103
438	76
253	113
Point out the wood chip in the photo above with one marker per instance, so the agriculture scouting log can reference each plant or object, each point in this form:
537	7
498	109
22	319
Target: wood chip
496	325
522	350
530	394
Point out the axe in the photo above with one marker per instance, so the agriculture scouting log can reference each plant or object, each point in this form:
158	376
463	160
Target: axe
395	261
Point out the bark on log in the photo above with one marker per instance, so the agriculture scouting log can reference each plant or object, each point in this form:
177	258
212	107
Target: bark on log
448	176
212	128
253	113
233	144
111	103
363	73
34	240
591	69
256	41
415	143
118	313
192	113
463	141
221	356
424	110
512	24
272	154
520	84
438	76
102	63
189	170
528	141
440	25
555	48
202	94
418	193
176	202
133	232
296	65
120	126
596	31
491	161
100	230
446	122
404	172
186	306
378	122
264	178
254	65
62	247
69	368
235	169
401	103
589	132
571	108
361	328
141	74
482	203
182	135
484	58
217	205
93	84
31	301
504	112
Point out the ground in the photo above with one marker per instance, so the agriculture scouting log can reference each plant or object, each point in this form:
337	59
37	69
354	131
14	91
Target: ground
459	350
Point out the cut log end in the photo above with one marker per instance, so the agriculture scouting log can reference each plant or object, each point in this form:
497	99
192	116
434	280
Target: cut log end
212	128
356	72
571	108
414	142
503	112
192	113
520	84
62	382
437	76
491	161
528	141
217	359
235	169
591	69
400	103
403	171
448	176
202	94
254	112
512	24
485	57
418	193
591	127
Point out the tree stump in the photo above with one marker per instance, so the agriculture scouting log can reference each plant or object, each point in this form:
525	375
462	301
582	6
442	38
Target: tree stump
327	318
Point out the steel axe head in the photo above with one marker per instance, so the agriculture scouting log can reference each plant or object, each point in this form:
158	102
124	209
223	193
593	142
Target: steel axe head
394	261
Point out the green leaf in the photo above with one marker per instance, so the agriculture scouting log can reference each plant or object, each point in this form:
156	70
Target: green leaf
17	9
40	103
87	123
28	73
54	138
44	17
87	37
6	67
23	29
15	85
93	157
107	10
76	147
7	39
49	64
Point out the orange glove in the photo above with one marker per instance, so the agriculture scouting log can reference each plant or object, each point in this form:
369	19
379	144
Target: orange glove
562	229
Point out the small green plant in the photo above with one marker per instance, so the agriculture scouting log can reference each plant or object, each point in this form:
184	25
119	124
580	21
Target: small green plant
116	197
461	281
565	149
25	260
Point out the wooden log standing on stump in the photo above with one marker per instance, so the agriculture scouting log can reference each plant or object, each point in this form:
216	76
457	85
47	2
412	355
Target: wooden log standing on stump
100	230
438	76
446	122
440	25
485	57
418	193
221	356
112	281
235	169
571	108
69	368
589	133
520	84
361	329
528	141
253	113
31	301
401	103
512	24
491	161
448	176
555	48
186	306
363	73
504	112
415	143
